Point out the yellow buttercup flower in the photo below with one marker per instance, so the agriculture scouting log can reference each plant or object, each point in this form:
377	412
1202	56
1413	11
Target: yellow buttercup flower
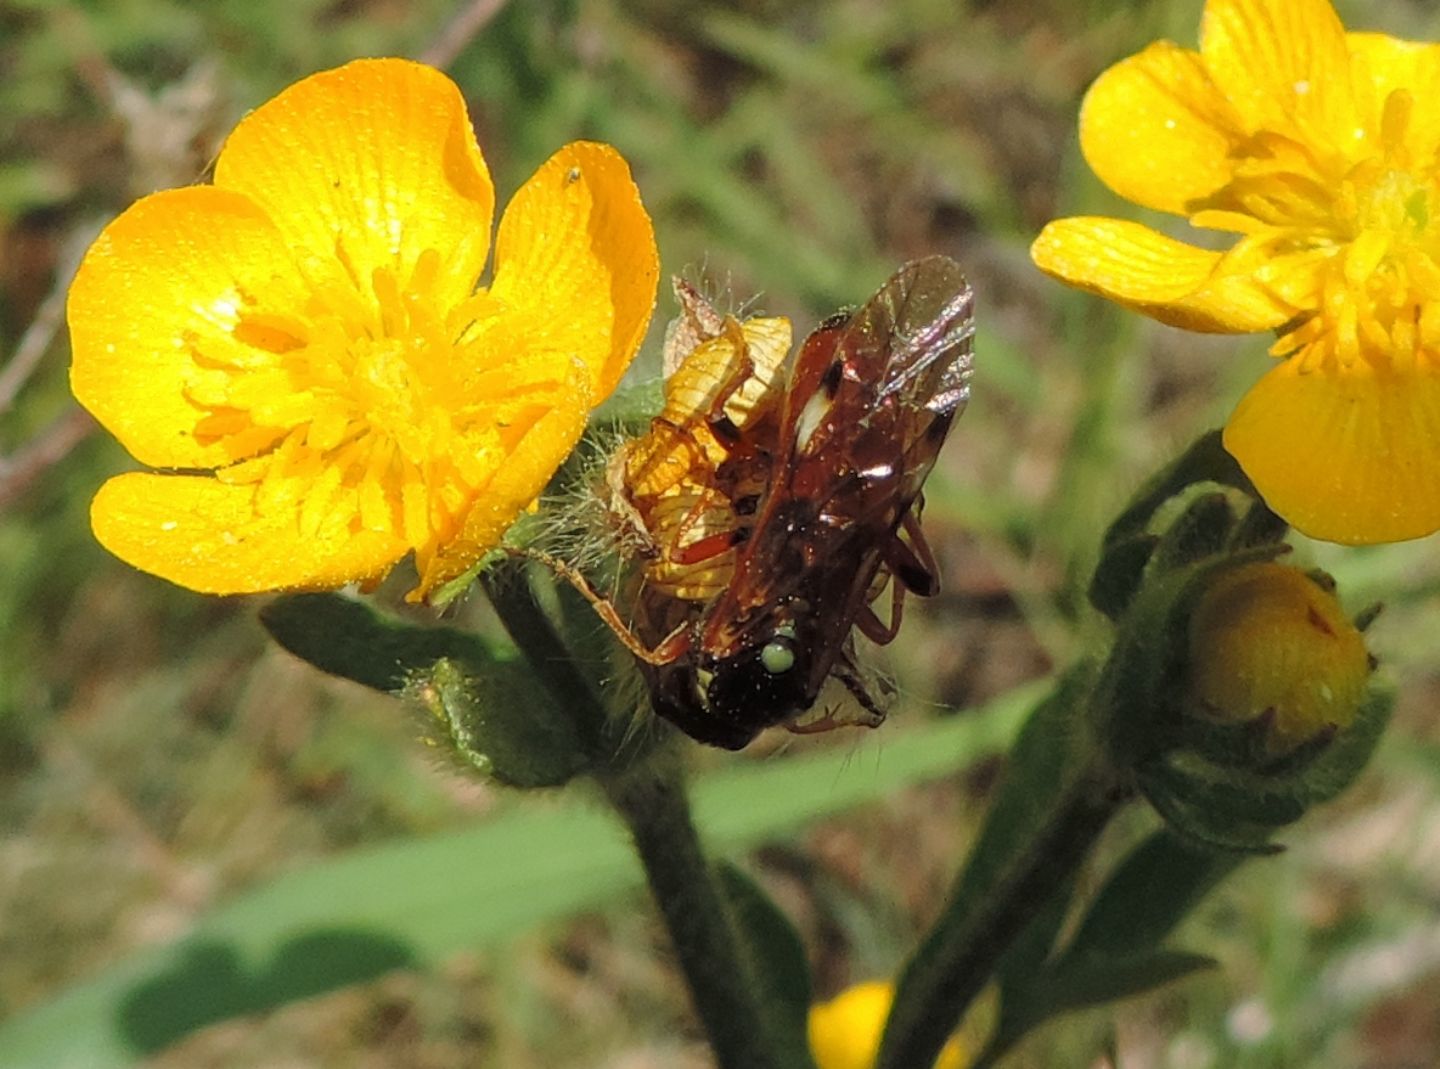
302	350
845	1032
1318	149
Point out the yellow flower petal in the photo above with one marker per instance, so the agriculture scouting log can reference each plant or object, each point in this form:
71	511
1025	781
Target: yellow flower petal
576	259
217	537
1175	283
309	329
1347	456
1284	66
366	167
1156	131
532	457
167	279
1381	65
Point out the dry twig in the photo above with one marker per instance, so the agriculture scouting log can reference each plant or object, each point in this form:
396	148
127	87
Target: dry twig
39	335
22	468
460	31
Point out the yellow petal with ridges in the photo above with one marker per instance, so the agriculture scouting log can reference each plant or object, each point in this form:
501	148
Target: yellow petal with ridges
1381	65
218	538
1284	67
576	260
1156	131
365	167
1348	456
1195	289
532	458
154	308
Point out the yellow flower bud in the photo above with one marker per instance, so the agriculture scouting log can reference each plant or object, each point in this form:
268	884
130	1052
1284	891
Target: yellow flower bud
1267	640
845	1032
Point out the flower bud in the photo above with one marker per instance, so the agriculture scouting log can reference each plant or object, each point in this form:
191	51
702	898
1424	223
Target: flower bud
1270	648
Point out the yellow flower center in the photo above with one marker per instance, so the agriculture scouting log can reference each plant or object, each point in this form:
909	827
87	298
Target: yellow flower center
375	408
1351	235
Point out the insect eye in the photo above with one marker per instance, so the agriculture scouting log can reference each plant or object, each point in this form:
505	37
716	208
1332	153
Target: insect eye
777	657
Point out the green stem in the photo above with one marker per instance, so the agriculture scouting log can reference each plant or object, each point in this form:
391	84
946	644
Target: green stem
657	811
508	588
650	797
963	951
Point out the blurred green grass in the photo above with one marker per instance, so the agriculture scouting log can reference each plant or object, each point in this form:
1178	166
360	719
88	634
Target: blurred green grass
155	757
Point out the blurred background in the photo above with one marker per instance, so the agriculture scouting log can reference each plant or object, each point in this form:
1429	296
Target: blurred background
157	757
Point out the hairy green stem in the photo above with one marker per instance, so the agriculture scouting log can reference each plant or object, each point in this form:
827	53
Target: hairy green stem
508	588
657	812
650	797
964	949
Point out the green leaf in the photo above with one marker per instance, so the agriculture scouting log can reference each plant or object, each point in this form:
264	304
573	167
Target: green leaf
348	639
778	958
489	711
422	900
1043	758
1116	950
209	981
1149	893
1091	983
1054	800
1025	962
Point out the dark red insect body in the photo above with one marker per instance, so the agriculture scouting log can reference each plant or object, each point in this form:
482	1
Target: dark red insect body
868	402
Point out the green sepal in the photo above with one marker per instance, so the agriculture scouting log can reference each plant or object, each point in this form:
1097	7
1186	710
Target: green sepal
1202	530
630	408
778	963
1206	461
1203	827
585	669
1242	745
1142	679
1258	527
1240	796
451	589
1240	806
1129	549
1338	765
483	707
1117	577
499	723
